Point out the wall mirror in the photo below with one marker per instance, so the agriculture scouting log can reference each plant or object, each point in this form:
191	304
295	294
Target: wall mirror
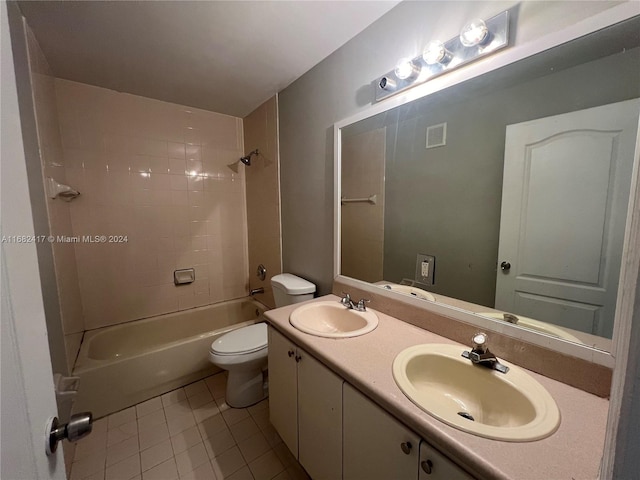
505	195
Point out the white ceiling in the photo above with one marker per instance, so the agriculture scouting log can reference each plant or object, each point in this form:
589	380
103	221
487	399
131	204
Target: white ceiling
223	56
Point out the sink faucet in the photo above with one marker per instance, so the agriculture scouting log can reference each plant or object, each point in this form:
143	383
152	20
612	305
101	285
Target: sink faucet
509	317
347	302
480	354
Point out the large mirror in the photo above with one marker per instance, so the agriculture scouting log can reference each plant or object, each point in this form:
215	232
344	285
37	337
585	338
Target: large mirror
505	195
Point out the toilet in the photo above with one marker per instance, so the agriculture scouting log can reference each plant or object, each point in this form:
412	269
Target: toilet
243	352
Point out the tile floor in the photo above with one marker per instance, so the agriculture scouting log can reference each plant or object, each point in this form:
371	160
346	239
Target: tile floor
189	433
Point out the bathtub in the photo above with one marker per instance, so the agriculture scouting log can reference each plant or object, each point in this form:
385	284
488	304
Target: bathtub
129	363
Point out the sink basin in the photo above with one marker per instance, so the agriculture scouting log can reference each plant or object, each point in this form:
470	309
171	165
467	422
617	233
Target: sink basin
332	319
536	325
408	290
512	407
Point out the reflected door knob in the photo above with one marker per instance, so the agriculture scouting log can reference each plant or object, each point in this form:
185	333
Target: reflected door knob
505	266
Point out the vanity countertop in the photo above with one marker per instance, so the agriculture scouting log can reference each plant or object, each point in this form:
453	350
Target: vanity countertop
574	451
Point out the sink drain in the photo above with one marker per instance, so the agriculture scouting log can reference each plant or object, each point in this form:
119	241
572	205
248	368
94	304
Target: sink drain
466	415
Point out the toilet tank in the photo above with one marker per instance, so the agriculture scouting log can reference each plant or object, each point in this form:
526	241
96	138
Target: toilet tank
289	289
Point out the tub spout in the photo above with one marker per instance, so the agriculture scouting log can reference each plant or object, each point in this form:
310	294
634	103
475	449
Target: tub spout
256	290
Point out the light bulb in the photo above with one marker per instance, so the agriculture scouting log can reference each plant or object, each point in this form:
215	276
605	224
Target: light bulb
474	33
435	53
406	68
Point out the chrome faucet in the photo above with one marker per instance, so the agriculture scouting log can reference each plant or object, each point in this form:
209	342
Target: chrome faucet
481	355
347	302
361	305
256	290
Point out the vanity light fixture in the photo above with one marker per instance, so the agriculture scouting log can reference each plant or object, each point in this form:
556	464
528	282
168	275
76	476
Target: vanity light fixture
477	39
407	68
474	33
435	53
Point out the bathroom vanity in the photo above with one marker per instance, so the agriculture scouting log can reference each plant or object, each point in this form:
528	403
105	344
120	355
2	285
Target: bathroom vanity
337	407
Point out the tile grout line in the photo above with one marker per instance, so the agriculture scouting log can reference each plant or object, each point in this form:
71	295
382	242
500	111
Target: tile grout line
230	420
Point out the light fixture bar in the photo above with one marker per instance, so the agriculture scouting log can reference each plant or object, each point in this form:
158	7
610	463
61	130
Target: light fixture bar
454	55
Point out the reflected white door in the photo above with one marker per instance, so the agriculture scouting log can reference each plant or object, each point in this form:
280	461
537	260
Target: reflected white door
28	398
564	205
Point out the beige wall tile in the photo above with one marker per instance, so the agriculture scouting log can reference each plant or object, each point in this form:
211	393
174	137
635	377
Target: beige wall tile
263	196
58	211
140	162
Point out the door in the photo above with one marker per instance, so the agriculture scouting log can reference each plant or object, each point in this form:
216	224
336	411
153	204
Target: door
564	206
375	445
28	398
283	389
319	419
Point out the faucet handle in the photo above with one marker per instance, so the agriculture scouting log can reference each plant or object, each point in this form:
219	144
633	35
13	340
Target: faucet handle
480	342
361	304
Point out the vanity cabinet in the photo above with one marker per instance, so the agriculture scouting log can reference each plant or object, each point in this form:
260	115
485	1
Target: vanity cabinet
377	446
283	388
305	401
336	432
435	466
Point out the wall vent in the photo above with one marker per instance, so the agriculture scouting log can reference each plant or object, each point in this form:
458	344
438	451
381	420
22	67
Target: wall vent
437	135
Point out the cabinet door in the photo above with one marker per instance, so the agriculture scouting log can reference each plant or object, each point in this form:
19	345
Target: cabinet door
319	419
283	394
435	466
376	445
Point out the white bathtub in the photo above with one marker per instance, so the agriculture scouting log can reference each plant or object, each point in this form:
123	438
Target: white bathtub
126	364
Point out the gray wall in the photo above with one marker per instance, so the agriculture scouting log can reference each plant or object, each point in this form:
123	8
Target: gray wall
446	201
340	86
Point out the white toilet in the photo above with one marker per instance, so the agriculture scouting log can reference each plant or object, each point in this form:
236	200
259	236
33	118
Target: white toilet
243	352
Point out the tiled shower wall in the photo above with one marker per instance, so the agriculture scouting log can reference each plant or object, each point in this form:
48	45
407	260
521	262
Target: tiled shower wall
58	211
154	181
263	196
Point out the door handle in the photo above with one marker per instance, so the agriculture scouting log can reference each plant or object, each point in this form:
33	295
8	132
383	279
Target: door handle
79	426
505	266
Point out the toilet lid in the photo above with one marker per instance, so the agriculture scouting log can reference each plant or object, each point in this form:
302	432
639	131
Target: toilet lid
243	340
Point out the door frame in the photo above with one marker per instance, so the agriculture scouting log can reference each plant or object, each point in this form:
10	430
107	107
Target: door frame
28	397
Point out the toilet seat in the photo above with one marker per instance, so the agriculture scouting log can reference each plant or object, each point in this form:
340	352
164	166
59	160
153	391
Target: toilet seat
244	340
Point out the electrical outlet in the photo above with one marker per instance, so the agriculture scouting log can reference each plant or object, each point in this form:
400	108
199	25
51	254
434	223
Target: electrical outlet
425	269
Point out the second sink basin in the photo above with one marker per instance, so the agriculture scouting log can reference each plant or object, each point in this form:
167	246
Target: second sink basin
536	325
511	407
332	319
409	290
